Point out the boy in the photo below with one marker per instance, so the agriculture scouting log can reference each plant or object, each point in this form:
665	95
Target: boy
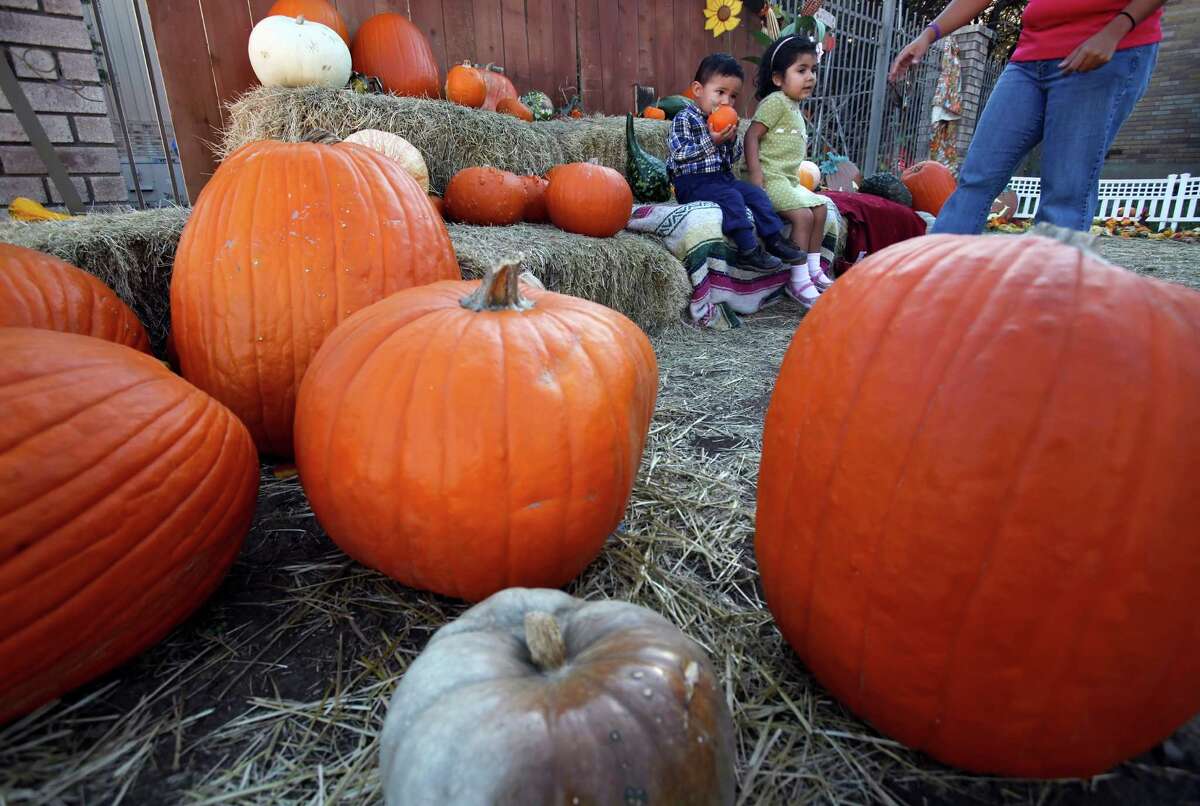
701	169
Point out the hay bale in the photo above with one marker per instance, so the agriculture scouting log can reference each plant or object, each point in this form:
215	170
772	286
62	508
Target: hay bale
451	137
631	273
132	252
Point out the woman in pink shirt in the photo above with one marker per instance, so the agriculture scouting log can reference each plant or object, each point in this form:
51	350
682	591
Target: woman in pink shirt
1079	68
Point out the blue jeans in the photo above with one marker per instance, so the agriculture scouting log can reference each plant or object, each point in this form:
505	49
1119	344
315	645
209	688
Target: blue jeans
734	198
1076	116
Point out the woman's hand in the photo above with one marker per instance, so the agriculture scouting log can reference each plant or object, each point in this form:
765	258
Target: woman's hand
755	177
912	54
1095	52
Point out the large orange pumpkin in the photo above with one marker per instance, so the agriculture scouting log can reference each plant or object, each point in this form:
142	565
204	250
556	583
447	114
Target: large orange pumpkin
499	86
515	428
930	183
39	290
588	199
978	502
535	199
126	495
465	86
485	196
392	48
285	241
315	10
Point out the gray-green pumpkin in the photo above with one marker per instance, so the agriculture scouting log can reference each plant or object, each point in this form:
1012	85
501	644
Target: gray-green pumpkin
539	104
887	186
646	173
535	697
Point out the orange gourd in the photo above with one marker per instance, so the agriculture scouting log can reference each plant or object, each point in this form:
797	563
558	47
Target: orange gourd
990	549
516	422
127	493
722	117
514	107
285	241
535	199
39	290
315	11
654	113
930	184
588	199
465	86
392	48
499	86
486	196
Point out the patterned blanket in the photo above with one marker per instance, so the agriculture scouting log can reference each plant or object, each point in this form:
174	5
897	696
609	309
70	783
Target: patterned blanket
692	232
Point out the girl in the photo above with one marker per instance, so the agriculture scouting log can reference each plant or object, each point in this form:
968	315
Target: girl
777	143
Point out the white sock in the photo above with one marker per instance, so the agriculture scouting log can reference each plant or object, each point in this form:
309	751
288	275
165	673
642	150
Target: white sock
800	272
814	264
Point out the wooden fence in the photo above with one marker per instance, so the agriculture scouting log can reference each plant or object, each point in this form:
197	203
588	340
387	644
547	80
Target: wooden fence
596	48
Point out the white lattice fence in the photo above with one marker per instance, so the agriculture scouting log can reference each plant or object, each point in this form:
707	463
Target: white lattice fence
1167	202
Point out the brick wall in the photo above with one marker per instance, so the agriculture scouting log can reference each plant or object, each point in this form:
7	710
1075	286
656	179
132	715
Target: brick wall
47	44
1162	136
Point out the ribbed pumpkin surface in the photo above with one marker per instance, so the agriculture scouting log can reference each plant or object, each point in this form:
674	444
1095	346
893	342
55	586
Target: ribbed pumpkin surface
287	240
978	505
125	493
39	290
508	449
390	47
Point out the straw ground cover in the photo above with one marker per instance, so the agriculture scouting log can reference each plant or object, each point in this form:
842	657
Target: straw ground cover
275	691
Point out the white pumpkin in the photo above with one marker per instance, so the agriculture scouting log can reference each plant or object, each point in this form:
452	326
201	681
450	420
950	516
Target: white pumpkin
809	174
396	147
295	52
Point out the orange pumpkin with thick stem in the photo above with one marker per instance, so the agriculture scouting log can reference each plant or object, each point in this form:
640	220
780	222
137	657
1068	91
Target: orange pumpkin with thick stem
285	241
392	48
514	107
517	419
535	199
588	199
499	86
127	493
978	502
930	184
486	196
465	86
315	11
39	290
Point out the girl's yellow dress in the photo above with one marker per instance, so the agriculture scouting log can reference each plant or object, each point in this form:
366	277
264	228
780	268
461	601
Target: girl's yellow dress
781	150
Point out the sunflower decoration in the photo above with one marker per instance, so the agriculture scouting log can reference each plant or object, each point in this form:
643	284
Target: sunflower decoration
721	15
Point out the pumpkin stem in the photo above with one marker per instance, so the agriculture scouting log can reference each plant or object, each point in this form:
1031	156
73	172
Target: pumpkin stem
500	290
1080	240
299	19
322	136
544	638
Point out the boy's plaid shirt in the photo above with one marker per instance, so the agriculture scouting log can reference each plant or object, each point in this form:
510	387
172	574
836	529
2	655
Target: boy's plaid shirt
693	150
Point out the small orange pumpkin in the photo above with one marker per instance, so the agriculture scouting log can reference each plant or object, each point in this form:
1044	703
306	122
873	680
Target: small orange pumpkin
465	86
39	290
535	199
654	113
514	107
438	205
588	199
930	184
485	196
314	11
722	117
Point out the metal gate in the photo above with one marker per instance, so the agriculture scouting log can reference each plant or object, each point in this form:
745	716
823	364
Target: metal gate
855	111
